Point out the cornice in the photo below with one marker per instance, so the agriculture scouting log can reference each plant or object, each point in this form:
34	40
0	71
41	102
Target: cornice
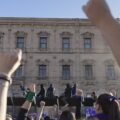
44	21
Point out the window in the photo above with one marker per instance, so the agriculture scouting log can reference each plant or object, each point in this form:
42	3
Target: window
42	71
110	72
20	42
66	43
0	39
43	43
19	71
88	72
87	43
66	72
1	42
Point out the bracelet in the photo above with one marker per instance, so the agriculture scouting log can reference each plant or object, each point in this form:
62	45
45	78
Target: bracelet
5	78
30	96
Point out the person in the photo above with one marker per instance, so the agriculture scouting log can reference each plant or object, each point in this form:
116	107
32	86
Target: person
78	101
23	88
100	15
65	97
68	91
50	92
25	108
74	89
67	115
9	62
107	108
113	92
40	110
41	95
30	96
8	117
93	95
47	118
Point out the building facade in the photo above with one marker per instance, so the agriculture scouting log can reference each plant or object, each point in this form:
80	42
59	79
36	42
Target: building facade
60	51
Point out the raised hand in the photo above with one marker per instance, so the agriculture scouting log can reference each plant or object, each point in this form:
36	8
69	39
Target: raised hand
97	11
9	62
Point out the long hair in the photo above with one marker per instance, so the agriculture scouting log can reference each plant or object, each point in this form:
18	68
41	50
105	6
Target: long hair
67	115
110	106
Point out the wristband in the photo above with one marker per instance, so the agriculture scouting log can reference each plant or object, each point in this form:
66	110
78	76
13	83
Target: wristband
30	96
5	78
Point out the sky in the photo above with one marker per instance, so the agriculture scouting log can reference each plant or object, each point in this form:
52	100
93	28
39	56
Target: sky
50	8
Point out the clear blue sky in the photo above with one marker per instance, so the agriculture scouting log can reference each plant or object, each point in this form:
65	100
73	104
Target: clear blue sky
49	8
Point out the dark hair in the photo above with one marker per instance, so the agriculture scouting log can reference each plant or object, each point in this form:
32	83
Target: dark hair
68	85
93	92
41	85
110	106
47	118
27	118
67	115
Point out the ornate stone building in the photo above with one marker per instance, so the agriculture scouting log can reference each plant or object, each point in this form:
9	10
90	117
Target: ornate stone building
60	51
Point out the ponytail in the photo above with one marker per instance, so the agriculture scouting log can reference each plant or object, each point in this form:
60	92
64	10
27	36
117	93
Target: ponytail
114	111
110	106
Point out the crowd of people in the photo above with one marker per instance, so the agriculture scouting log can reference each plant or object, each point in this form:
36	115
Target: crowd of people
70	94
107	106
